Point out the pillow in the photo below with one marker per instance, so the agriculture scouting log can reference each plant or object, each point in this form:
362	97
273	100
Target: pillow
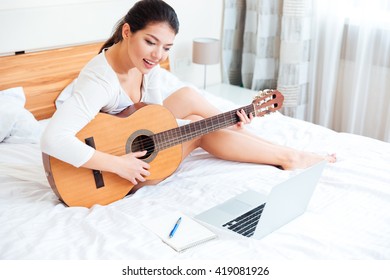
17	125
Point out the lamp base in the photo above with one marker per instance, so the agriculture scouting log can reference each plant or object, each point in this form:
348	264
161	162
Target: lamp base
204	78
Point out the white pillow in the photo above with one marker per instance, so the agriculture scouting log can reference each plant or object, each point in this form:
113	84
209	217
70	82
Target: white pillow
17	125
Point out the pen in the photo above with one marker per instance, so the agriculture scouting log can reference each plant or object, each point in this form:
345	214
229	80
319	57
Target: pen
172	233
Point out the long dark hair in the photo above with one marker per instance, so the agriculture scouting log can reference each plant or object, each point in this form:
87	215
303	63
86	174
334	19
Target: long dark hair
140	15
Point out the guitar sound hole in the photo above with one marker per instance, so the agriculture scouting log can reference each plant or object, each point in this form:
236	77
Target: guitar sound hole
142	143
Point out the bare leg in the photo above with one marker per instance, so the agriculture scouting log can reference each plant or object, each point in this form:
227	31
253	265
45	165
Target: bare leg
237	144
232	145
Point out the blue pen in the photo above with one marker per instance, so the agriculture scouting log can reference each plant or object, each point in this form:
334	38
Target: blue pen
172	233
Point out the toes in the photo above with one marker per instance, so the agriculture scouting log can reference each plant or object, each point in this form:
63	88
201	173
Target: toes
331	158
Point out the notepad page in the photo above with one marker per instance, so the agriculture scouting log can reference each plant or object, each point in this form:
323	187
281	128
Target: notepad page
188	234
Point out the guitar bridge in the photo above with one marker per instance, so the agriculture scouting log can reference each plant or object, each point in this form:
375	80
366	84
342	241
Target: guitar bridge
97	174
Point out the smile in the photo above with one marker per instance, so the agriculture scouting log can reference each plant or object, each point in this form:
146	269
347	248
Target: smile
150	62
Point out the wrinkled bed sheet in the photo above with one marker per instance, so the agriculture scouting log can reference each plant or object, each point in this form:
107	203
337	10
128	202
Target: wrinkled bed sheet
348	216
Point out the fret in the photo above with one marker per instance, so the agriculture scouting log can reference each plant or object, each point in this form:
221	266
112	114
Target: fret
192	130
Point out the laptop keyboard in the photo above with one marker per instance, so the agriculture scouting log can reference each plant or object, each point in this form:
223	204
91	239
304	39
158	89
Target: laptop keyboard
247	222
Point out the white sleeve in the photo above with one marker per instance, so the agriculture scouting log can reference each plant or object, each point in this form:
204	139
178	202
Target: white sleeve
58	139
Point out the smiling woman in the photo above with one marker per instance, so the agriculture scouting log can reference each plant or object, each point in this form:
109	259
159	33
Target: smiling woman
126	73
122	74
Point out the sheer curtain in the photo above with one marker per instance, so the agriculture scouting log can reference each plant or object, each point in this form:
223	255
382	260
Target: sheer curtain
350	81
331	59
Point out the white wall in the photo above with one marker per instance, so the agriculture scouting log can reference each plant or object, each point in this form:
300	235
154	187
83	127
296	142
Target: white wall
31	25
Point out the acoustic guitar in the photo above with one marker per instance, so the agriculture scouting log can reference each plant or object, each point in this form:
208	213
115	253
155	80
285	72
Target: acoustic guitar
139	127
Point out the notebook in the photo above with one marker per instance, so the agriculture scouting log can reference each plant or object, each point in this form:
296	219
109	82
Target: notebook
252	214
189	233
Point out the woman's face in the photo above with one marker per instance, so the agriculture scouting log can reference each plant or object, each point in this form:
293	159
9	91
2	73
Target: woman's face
148	47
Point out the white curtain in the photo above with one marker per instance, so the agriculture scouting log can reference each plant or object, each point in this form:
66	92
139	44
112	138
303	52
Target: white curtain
331	59
350	81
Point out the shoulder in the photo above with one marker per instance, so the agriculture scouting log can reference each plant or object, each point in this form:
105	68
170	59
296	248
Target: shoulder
97	85
98	71
99	66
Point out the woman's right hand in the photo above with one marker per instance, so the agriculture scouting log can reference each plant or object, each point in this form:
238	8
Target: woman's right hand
132	168
128	166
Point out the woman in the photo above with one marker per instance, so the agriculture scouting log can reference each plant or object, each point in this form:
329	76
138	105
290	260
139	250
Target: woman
125	72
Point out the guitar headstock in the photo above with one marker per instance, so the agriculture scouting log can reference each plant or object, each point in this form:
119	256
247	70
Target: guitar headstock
267	101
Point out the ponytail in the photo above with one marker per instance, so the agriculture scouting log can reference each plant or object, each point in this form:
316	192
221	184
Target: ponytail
116	36
140	15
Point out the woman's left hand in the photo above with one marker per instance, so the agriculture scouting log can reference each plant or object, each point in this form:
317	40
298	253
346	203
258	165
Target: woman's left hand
244	119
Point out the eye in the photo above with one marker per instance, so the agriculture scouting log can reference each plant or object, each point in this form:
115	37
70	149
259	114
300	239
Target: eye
149	42
167	49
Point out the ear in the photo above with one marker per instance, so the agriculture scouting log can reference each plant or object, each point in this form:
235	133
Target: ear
126	32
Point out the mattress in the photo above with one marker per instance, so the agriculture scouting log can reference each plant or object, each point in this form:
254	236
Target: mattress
348	216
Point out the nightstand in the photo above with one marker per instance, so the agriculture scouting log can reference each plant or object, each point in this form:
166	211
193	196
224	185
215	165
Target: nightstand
236	94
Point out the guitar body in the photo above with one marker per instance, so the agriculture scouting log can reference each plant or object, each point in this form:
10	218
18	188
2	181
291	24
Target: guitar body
114	134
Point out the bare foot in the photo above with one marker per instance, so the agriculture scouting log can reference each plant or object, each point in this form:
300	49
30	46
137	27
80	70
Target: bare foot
302	160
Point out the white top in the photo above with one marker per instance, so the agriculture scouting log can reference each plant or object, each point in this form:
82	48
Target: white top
97	89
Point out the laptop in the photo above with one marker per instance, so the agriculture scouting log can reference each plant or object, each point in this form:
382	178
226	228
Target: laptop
255	215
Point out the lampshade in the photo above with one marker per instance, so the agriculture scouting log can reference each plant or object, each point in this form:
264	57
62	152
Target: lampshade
206	51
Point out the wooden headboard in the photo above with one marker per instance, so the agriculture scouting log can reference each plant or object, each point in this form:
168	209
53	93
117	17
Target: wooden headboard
44	74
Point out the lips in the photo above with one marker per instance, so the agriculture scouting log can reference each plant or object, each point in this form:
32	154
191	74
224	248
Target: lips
149	63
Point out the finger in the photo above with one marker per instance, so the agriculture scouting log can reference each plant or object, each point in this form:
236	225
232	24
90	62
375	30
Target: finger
140	153
240	124
133	181
145	172
144	165
140	178
243	116
240	115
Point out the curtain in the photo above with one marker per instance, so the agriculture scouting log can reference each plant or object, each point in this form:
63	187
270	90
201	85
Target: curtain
232	41
331	59
266	44
350	82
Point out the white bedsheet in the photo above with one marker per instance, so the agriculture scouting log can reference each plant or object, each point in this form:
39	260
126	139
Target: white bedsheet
348	217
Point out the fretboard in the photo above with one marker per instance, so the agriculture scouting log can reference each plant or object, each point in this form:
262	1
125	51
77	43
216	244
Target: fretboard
192	130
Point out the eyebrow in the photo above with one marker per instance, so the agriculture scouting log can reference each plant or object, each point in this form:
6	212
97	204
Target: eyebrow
155	38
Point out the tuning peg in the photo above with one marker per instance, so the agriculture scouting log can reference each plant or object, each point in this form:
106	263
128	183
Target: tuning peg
265	92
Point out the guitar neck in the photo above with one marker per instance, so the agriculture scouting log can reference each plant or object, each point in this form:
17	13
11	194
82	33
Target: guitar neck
192	130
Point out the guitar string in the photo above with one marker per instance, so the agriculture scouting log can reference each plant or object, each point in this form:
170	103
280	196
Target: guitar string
179	138
199	130
185	133
174	136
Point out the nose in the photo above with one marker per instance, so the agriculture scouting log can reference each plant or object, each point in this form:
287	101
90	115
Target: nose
157	53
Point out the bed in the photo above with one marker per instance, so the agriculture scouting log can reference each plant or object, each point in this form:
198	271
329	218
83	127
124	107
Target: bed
348	216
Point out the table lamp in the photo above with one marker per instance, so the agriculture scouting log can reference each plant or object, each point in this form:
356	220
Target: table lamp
205	51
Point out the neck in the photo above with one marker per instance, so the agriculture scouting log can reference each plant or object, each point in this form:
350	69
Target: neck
115	56
190	131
